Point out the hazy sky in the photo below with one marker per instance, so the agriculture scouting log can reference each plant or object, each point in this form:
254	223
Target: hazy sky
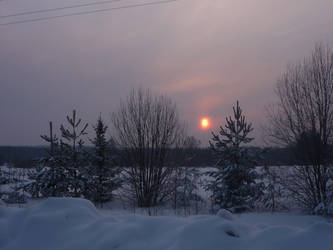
204	54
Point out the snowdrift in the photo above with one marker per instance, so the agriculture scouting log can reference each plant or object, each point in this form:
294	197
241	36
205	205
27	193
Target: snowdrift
75	224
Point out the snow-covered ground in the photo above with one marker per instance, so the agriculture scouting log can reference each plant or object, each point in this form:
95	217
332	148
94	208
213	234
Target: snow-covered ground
75	224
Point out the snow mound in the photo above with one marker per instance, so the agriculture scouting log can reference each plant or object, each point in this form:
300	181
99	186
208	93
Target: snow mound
70	224
2	203
225	214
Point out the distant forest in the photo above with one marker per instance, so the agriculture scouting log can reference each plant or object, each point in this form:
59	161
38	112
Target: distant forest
25	157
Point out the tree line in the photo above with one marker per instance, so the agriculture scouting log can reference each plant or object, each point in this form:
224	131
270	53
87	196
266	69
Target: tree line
25	156
150	146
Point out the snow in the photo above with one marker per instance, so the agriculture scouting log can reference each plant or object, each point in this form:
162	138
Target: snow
223	213
69	224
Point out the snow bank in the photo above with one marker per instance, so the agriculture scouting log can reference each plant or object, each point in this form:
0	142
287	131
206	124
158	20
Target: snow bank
75	224
223	213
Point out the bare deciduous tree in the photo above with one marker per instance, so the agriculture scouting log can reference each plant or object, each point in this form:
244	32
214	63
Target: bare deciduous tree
146	128
303	119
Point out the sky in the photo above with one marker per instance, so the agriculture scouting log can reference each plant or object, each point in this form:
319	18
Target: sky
203	54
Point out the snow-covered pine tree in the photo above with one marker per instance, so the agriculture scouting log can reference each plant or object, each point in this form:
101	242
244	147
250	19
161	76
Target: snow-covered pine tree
186	192
233	183
186	179
271	198
50	177
61	173
103	174
75	157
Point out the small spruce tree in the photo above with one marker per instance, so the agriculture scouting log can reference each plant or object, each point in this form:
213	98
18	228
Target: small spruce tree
62	172
186	193
273	192
103	175
75	158
49	178
233	182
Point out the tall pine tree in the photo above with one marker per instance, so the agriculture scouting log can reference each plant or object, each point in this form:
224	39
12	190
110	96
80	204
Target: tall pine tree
103	175
233	182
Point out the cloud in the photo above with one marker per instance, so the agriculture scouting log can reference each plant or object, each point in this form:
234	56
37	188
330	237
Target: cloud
194	83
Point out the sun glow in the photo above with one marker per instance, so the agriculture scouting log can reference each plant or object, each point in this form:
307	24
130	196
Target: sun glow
204	123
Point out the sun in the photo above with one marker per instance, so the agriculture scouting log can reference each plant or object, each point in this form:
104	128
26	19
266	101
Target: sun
204	123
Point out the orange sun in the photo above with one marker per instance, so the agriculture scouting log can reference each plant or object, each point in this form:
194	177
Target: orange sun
204	123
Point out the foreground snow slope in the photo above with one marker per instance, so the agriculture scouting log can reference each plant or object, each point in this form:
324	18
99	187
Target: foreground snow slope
75	224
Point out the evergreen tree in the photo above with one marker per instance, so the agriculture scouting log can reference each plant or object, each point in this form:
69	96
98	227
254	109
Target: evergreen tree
186	189
103	175
62	172
75	158
233	182
49	178
271	198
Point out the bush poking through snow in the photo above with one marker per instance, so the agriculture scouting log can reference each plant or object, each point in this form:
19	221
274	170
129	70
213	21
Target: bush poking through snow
232	234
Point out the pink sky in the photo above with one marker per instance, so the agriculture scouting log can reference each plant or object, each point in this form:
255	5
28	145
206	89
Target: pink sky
204	54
